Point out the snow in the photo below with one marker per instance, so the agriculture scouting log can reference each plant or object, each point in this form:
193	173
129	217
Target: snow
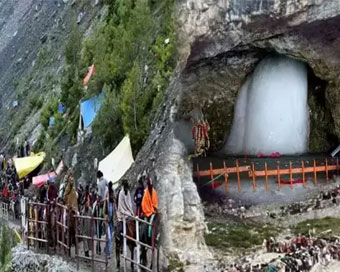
271	112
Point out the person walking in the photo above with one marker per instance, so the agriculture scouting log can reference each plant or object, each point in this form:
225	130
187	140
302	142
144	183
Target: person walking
124	205
139	196
102	184
109	206
71	201
86	226
150	200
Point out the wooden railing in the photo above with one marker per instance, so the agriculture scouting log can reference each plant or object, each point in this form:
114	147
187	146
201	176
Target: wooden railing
253	173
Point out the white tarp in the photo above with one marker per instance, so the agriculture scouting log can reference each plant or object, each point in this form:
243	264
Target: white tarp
117	162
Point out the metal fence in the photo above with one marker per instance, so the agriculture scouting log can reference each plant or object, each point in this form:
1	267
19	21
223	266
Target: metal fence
40	233
95	242
138	243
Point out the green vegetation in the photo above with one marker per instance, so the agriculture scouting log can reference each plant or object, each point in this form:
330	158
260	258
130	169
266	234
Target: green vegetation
175	265
8	240
133	52
240	235
324	227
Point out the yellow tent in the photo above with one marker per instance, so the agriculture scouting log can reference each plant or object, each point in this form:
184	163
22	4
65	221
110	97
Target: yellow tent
26	165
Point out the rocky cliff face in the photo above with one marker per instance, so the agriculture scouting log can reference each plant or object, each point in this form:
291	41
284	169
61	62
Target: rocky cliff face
32	55
220	42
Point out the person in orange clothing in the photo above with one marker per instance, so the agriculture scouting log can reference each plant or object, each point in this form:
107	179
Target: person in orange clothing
150	200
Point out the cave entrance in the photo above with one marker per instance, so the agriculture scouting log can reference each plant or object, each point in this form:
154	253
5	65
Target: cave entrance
280	108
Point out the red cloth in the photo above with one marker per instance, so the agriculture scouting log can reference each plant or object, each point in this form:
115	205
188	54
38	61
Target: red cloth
260	155
295	181
275	155
214	185
5	191
52	192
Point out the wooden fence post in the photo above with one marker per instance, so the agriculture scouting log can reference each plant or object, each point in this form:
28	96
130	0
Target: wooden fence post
238	177
303	173
254	175
326	168
212	175
266	174
225	177
278	176
315	174
290	175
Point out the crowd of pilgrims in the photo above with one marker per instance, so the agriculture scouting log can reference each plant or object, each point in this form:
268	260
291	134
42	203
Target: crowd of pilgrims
300	254
98	199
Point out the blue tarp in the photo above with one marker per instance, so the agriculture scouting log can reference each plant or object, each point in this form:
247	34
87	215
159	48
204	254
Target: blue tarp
90	108
61	108
51	122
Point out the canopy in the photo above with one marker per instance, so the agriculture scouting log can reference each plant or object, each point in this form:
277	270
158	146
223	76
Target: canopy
42	179
118	161
89	74
90	108
26	165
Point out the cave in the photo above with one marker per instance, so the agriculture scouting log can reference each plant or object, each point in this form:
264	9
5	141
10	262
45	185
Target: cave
257	101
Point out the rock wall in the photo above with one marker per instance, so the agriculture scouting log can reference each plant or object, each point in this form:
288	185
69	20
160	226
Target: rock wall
219	43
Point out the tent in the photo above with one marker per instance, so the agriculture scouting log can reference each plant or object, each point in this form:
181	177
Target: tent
89	75
42	179
118	161
26	165
89	109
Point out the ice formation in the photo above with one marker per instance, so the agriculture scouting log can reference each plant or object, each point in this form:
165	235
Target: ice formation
271	112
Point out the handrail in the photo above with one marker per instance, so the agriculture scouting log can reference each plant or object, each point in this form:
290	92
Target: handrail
278	171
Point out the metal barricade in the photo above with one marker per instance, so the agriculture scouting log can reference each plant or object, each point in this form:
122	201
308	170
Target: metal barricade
4	210
136	240
63	233
37	225
94	241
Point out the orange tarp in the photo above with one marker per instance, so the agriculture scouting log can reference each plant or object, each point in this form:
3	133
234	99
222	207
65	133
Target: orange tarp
89	74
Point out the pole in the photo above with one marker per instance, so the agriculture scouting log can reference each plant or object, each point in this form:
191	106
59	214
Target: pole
77	257
290	175
212	176
278	176
107	243
326	168
92	243
225	177
303	173
138	246
266	173
238	177
315	174
124	242
254	176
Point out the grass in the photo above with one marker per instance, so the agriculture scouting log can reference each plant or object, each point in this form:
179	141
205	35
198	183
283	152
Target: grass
240	235
320	227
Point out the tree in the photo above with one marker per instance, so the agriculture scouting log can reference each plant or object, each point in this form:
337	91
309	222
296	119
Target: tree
71	84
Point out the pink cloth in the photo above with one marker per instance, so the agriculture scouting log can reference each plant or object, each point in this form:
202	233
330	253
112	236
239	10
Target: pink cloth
260	155
275	155
42	179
